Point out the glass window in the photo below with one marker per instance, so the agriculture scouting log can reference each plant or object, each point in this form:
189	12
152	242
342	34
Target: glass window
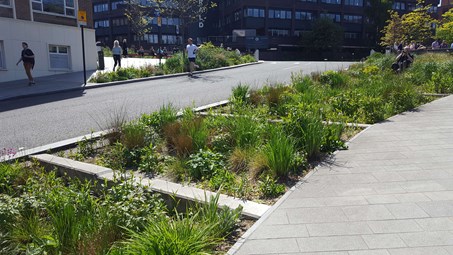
332	16
279	32
59	57
300	15
254	12
2	56
62	7
100	7
116	3
279	14
353	2
5	2
101	23
352	18
331	1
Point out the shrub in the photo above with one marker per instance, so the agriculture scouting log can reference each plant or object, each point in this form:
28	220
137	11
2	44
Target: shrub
301	83
148	160
239	159
279	152
166	114
332	138
204	163
239	95
133	135
175	64
245	131
333	78
269	187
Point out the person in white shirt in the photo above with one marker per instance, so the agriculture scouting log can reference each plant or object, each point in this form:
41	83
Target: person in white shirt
191	50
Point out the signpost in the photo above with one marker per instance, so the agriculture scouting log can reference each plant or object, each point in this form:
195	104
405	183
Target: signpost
82	19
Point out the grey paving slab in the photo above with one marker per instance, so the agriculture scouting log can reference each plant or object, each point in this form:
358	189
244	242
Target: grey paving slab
391	193
379	241
332	243
394	226
280	245
419	251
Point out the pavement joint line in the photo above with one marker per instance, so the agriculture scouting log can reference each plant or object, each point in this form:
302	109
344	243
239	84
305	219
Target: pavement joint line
108	84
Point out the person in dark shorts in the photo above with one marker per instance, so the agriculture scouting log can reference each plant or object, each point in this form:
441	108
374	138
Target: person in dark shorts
191	50
28	58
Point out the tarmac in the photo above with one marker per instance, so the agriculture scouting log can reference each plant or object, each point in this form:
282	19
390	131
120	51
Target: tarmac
390	193
65	81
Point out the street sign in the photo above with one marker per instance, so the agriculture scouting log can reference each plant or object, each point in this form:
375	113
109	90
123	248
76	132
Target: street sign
82	18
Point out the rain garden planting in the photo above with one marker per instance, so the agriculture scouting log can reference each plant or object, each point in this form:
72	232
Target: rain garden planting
254	147
208	57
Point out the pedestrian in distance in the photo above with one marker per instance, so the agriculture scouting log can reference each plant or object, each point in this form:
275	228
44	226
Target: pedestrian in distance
116	51
191	50
124	45
28	58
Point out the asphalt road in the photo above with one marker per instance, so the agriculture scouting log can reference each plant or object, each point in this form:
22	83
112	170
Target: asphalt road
40	120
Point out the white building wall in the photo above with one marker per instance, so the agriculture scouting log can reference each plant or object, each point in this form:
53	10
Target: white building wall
39	36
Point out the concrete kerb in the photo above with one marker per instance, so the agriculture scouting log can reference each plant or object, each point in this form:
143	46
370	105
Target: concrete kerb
107	84
257	224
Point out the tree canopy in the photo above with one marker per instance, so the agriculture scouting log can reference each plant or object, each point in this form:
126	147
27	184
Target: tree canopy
138	18
325	34
445	30
413	26
377	12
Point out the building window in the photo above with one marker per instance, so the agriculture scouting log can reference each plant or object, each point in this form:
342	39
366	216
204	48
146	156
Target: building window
61	7
399	6
5	3
332	16
2	56
279	14
237	15
151	38
353	2
254	12
279	32
311	1
101	23
101	7
59	57
301	33
352	19
299	15
170	39
116	4
119	22
348	35
331	1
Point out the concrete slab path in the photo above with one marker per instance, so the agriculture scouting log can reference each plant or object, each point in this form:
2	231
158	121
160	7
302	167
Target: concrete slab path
391	193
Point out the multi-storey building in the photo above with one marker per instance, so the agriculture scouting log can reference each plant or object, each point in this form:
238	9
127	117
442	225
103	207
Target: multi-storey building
50	28
445	5
279	23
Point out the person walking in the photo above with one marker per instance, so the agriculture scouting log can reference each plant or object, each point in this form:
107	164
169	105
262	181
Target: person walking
124	45
28	58
191	50
116	51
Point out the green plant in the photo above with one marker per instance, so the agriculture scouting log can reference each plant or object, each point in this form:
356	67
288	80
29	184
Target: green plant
204	163
301	83
245	131
166	114
279	152
239	95
269	187
148	160
86	147
133	135
333	78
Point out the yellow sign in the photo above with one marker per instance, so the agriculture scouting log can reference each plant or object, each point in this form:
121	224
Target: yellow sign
82	17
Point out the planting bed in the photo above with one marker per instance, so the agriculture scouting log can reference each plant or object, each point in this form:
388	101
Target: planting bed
254	147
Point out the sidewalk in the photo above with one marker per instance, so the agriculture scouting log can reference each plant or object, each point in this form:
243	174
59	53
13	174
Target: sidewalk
62	82
391	193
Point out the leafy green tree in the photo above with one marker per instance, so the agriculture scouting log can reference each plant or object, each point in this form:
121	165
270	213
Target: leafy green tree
325	34
393	31
377	12
137	15
445	30
417	25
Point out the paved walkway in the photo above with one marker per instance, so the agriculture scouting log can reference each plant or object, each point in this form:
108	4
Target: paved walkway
390	193
62	82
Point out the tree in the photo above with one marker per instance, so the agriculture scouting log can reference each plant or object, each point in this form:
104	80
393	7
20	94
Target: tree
445	30
393	31
325	34
137	15
188	11
417	25
377	12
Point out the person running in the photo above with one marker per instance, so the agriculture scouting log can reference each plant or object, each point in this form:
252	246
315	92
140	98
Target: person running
28	58
191	50
116	51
